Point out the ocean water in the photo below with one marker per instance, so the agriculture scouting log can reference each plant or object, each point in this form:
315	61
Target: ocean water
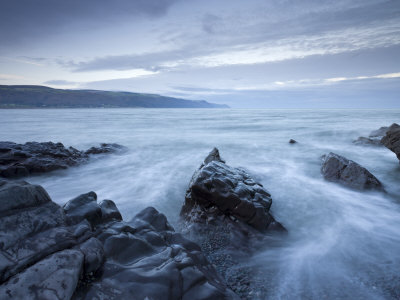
341	244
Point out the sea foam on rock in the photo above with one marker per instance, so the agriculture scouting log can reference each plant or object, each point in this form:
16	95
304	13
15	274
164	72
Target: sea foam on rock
348	173
373	139
18	160
85	251
227	213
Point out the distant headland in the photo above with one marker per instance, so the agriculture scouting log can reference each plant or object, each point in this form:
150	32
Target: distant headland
36	96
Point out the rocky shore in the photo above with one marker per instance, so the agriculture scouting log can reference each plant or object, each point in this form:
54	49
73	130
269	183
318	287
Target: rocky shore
85	250
19	160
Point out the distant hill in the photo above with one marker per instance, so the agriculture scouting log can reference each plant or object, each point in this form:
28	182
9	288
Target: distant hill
35	96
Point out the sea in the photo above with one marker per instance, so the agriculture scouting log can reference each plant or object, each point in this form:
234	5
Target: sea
341	243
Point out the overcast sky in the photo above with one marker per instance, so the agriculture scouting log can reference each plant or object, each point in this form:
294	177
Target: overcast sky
246	53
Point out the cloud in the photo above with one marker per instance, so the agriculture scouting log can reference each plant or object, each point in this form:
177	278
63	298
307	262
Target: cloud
298	47
10	77
61	82
26	19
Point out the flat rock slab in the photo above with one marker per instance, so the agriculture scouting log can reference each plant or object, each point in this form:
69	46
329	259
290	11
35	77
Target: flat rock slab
392	139
18	160
348	173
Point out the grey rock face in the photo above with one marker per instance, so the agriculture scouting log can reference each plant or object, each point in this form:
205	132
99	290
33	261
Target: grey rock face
227	213
373	139
50	252
54	277
392	139
18	160
146	259
31	227
218	189
347	172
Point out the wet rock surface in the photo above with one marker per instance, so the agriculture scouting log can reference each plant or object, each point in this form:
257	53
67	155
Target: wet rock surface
76	251
392	139
19	160
227	213
373	139
348	173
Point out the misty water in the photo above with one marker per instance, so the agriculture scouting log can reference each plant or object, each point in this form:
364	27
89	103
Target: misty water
341	243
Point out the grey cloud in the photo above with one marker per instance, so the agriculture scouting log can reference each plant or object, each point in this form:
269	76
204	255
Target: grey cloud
28	19
211	23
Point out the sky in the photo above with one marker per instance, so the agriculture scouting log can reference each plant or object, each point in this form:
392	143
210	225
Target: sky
245	53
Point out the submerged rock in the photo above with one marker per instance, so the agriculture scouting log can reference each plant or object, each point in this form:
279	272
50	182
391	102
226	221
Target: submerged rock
347	172
373	139
392	139
85	251
227	213
18	160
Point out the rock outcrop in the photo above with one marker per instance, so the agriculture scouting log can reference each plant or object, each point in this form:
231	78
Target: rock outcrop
392	139
373	139
348	173
227	213
18	160
85	251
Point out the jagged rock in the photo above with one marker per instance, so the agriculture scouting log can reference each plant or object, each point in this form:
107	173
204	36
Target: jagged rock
105	148
292	141
392	139
18	160
50	252
347	172
373	139
227	213
217	188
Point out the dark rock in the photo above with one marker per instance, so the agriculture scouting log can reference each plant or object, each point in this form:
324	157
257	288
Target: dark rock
392	139
54	277
379	132
109	211
227	213
106	148
368	141
217	188
49	252
291	141
347	172
18	160
94	255
32	229
83	207
373	139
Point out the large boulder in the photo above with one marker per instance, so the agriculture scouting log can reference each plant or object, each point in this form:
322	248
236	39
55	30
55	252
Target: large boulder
227	213
392	139
348	173
18	160
85	251
218	189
